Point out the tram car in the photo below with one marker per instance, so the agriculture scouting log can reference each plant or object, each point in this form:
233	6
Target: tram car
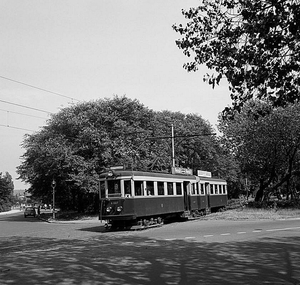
130	198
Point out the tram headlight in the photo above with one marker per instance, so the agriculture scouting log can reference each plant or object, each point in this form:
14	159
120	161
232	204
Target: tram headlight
119	209
108	209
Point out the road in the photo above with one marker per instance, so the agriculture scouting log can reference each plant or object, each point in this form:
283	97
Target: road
194	252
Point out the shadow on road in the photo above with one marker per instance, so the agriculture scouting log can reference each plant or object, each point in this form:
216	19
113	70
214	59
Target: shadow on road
121	259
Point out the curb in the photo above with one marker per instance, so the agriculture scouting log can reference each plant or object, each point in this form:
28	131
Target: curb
51	221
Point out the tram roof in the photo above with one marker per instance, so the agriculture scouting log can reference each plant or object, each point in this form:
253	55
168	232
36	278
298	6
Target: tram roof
118	173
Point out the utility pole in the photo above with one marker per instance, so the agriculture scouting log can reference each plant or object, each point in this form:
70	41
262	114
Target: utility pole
173	147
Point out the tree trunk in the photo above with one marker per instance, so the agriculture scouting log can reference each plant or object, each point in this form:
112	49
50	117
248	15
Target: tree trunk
260	193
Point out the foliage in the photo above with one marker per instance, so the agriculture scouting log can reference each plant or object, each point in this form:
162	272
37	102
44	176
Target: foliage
266	143
6	192
81	141
254	44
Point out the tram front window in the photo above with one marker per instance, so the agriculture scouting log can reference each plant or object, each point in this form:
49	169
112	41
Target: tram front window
114	188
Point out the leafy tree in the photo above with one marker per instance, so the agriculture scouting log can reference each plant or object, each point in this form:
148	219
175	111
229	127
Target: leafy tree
6	192
77	144
266	143
254	44
195	145
81	141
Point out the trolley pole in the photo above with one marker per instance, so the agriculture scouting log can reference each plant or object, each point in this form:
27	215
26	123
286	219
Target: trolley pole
53	184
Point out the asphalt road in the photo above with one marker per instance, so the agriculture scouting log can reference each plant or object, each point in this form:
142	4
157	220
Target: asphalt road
194	252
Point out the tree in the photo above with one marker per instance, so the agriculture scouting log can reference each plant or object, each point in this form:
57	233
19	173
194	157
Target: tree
77	144
6	192
266	142
81	141
195	143
254	44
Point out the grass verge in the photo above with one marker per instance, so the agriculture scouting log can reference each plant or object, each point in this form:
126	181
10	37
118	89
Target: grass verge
254	214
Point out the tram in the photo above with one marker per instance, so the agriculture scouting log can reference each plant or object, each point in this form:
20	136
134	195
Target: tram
130	198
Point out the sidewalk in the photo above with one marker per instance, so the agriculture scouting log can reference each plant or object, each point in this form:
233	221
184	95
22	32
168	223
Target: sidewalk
11	212
83	221
50	220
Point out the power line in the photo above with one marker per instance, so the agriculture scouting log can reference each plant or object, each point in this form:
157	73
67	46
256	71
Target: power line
38	88
23	114
8	126
23	106
181	136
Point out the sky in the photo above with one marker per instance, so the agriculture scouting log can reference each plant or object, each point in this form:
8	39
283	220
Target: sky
84	50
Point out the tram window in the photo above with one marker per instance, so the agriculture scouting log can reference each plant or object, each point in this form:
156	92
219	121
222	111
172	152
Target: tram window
138	188
193	188
196	188
127	187
216	189
178	189
170	188
150	188
160	188
202	188
114	188
102	189
211	189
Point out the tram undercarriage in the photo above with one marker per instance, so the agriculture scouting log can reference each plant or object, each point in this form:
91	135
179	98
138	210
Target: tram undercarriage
154	221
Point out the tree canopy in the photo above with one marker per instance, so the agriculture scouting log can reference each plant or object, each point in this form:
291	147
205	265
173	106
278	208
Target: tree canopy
266	143
82	140
6	191
254	44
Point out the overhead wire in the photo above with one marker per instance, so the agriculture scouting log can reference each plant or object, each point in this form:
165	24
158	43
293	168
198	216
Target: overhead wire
27	107
23	114
38	88
23	129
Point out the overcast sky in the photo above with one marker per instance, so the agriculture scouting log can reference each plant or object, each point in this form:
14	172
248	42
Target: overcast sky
92	49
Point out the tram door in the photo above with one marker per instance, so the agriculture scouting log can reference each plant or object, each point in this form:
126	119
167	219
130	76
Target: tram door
207	196
187	195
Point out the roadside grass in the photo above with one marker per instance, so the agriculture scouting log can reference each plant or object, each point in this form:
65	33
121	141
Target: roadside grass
244	213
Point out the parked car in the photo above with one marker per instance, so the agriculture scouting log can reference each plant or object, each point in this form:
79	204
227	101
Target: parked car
29	211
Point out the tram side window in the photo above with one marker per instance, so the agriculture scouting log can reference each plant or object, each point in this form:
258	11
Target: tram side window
170	188
202	188
102	189
150	188
178	188
138	188
216	189
193	188
160	188
211	189
114	188
196	188
127	187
